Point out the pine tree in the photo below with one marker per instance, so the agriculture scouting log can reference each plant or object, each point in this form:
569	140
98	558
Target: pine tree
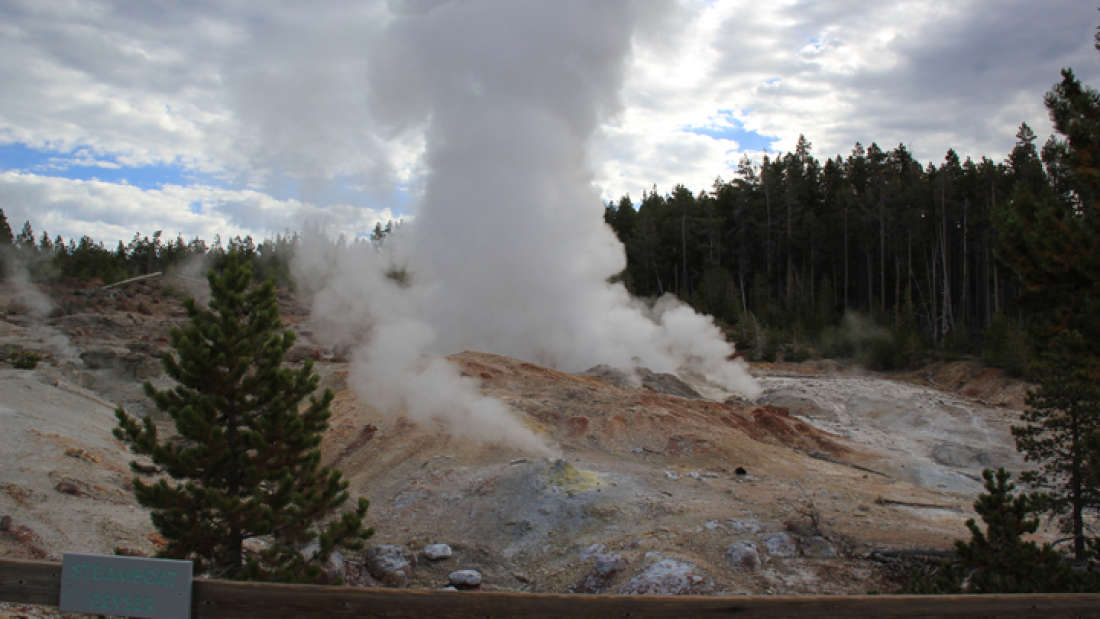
6	249
247	460
25	240
1000	560
1061	423
5	230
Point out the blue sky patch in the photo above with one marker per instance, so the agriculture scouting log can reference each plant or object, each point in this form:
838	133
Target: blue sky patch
339	190
84	164
724	126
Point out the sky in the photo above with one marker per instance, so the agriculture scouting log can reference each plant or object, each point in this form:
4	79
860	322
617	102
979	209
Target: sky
240	117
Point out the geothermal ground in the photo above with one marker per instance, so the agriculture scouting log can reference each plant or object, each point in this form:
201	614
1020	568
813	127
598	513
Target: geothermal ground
652	489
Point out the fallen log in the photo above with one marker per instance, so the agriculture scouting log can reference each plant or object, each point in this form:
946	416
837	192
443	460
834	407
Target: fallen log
129	281
905	553
885	501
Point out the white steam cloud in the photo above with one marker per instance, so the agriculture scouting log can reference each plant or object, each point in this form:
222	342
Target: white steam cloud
508	252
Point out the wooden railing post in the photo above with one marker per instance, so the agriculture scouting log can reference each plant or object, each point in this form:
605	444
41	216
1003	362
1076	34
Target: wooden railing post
38	582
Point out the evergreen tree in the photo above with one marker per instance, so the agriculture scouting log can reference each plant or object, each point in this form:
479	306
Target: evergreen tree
1062	421
25	240
247	460
1000	560
6	240
5	230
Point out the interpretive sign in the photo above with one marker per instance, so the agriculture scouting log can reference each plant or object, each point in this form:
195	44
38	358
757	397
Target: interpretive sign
131	586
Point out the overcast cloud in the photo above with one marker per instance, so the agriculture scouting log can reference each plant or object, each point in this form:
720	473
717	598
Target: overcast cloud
247	117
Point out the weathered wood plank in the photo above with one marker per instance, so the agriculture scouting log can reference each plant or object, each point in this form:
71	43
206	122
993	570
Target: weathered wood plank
37	582
30	582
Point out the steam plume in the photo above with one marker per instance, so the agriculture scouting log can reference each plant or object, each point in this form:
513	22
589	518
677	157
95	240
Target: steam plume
508	252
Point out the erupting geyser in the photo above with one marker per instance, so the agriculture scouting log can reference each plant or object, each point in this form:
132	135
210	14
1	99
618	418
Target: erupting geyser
508	252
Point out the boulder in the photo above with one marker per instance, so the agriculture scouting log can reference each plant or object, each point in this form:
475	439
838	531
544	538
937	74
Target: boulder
817	547
781	545
254	545
388	564
605	569
743	555
666	577
466	579
437	552
333	567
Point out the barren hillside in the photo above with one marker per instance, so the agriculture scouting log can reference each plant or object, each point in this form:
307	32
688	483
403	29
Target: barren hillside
653	488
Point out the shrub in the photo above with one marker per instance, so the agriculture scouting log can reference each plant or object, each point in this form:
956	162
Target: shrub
1006	345
26	360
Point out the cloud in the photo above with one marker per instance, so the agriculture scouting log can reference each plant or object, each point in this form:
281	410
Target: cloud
931	75
114	211
274	96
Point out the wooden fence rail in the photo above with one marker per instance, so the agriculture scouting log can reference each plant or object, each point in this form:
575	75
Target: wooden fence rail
38	582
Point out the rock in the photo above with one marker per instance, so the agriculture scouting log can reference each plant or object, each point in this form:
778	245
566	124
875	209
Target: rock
68	487
103	357
437	552
388	564
607	566
818	547
666	577
576	426
333	567
669	384
254	545
310	549
751	527
743	555
78	452
145	469
465	578
956	455
301	351
612	376
356	575
781	545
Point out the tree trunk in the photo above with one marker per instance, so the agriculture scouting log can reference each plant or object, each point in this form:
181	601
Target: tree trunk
948	320
767	230
996	289
790	254
933	314
870	282
897	290
845	258
964	302
909	282
1076	480
882	252
685	286
741	280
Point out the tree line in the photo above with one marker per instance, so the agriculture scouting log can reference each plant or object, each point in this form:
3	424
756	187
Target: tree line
86	259
795	243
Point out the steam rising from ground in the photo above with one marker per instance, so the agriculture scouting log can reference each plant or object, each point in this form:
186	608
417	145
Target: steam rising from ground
508	252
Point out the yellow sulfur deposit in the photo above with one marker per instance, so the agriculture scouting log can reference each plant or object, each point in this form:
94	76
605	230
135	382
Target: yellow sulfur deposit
571	479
